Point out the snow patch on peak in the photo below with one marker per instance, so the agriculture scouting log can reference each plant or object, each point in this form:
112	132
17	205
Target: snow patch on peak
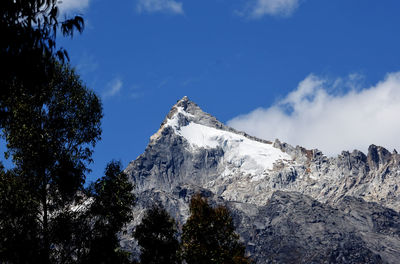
250	156
239	151
201	136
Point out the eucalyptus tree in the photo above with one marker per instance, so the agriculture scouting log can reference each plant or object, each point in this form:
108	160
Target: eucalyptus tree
28	45
51	123
50	137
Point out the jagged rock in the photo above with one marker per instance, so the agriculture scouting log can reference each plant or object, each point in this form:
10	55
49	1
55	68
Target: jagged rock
291	205
378	156
294	228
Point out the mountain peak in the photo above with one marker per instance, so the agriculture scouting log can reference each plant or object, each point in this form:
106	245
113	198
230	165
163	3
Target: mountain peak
184	112
184	103
184	99
186	125
190	109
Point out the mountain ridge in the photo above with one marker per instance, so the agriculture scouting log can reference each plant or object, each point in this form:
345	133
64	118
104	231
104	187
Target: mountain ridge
202	117
194	152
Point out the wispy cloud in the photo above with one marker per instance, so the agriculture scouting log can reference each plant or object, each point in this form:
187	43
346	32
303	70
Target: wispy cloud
66	6
87	63
135	92
259	8
113	88
315	117
162	6
164	82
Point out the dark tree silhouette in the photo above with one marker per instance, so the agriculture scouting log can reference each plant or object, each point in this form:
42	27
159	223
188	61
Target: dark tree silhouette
51	123
111	208
18	226
50	137
157	237
209	235
28	46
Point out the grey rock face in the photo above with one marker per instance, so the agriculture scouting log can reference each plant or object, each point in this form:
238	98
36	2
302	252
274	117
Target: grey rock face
290	204
294	228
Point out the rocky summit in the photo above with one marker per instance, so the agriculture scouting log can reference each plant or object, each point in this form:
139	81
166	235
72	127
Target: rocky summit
290	204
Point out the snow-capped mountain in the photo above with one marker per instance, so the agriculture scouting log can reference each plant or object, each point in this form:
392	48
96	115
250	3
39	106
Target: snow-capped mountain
291	205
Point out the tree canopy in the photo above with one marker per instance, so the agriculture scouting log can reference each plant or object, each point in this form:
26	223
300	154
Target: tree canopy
50	136
209	235
111	208
19	229
51	123
157	237
28	45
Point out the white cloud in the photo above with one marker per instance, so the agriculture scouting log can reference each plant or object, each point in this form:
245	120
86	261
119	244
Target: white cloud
314	117
260	8
164	6
113	88
66	6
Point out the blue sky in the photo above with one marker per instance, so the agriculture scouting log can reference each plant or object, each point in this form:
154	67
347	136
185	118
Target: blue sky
317	73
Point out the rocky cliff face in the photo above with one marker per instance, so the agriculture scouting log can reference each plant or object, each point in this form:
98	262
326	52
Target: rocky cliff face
290	204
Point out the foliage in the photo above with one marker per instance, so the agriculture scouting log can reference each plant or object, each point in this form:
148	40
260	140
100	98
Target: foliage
50	136
28	45
111	208
157	237
18	227
51	123
29	25
209	235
